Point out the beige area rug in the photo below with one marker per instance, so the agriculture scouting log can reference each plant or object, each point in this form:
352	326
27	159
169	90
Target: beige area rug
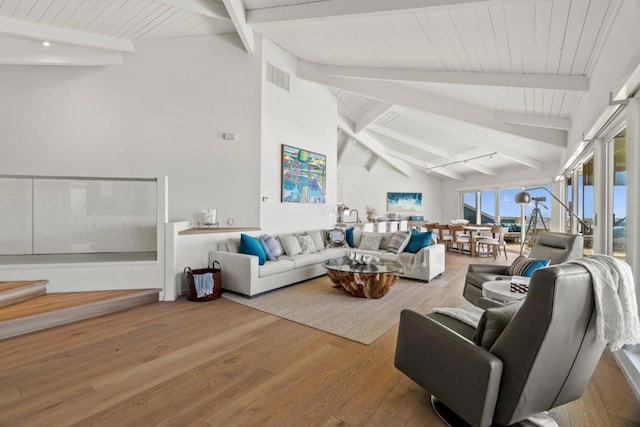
317	304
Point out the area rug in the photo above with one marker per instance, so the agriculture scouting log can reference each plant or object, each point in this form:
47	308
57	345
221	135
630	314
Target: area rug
317	304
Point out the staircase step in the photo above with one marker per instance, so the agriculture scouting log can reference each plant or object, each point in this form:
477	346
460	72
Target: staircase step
17	292
59	309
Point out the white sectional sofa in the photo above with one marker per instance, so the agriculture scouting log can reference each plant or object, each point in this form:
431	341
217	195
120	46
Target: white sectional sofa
242	274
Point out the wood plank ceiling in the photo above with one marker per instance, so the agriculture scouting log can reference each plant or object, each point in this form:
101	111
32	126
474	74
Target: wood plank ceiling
430	82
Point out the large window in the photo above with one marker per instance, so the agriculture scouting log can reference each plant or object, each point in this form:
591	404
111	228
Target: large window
469	207
619	195
488	207
509	209
585	201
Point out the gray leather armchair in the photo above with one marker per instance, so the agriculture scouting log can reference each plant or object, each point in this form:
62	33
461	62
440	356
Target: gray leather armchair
557	247
543	358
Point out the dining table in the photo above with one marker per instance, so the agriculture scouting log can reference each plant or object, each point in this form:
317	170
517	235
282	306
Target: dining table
474	229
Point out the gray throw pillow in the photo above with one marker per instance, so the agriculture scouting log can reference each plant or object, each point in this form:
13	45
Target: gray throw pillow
493	322
370	241
306	243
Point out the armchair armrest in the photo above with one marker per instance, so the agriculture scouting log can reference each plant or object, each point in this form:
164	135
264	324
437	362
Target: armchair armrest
485	303
239	271
488	268
462	375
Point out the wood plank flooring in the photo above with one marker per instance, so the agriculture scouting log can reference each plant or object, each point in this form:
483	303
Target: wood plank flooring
222	364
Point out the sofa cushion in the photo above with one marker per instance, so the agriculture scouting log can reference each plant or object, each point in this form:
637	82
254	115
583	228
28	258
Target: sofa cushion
275	267
290	244
399	241
304	260
370	241
418	241
233	245
251	246
306	243
331	253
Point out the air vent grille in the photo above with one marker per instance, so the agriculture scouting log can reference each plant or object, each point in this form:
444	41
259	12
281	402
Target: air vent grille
277	77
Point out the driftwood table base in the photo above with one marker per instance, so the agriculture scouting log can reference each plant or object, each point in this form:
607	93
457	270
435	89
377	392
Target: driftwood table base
363	285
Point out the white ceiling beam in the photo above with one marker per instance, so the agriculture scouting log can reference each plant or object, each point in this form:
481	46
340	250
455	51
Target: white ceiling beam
372	162
465	136
19	51
328	9
211	8
518	80
412	142
373	146
30	30
425	165
237	12
420	100
371	115
343	148
531	120
429	149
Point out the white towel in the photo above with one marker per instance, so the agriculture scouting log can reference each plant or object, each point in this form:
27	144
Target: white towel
467	314
616	308
203	284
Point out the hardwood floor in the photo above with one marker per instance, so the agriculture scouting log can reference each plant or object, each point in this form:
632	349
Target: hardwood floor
222	364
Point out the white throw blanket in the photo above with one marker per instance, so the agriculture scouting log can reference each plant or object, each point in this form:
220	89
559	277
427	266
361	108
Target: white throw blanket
469	315
615	299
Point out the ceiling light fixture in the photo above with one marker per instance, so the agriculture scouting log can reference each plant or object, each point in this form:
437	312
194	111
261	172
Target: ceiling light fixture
46	43
464	162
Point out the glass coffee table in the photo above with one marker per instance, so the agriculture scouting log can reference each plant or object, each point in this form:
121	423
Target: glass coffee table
363	280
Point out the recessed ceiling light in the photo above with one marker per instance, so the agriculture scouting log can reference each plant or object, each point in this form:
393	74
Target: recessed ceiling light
46	43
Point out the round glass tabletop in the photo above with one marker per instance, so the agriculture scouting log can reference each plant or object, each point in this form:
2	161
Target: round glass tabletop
346	264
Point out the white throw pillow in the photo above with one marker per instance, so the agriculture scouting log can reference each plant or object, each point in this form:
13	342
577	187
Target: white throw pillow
385	240
316	235
370	241
290	244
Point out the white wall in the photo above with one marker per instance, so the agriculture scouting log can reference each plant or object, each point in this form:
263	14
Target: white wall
305	117
162	113
360	189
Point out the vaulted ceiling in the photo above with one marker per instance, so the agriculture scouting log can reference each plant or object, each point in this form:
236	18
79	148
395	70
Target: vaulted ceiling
478	85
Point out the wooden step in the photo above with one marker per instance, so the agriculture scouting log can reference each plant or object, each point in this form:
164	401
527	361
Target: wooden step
59	309
17	292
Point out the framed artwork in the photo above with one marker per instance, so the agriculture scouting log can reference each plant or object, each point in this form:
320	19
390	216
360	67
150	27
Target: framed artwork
304	174
404	202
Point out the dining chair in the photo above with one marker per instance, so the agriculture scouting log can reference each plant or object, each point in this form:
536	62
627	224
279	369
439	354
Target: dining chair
459	238
444	235
495	241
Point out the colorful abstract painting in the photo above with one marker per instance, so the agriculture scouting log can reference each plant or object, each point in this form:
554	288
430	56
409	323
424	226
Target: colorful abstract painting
404	202
304	175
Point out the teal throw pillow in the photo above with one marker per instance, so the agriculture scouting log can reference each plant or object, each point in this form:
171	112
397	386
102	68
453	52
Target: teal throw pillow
252	246
418	241
539	263
348	235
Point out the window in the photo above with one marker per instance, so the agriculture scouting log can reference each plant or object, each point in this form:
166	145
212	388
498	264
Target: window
488	207
469	209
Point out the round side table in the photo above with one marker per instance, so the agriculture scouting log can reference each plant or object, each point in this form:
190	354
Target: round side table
500	290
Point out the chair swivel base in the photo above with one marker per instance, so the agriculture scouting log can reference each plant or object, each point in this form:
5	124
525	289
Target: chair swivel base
450	418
